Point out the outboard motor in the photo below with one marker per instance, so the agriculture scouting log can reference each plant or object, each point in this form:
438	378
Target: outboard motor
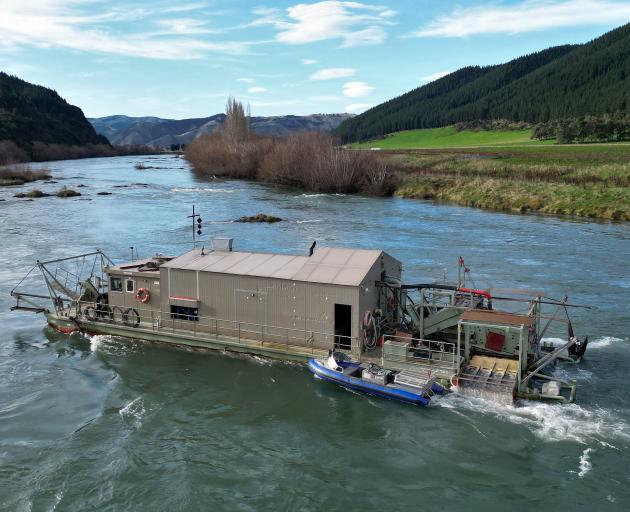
331	362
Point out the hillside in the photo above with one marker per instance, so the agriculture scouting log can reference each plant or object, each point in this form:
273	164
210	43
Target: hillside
154	131
31	113
563	81
450	137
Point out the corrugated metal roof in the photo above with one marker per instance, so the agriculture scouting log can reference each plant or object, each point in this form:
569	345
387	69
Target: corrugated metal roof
346	267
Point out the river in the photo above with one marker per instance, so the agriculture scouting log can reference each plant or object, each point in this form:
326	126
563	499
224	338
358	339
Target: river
98	423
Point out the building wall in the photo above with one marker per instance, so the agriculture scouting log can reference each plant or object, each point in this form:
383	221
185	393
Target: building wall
125	299
291	311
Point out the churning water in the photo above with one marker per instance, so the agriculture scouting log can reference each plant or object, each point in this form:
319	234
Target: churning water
102	423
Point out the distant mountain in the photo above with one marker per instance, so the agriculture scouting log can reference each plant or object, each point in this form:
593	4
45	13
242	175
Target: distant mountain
32	113
560	82
154	131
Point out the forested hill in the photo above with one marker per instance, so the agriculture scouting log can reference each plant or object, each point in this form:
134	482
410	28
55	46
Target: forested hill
560	82
32	113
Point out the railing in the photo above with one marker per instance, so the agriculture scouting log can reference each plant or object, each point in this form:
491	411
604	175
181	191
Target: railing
424	352
210	328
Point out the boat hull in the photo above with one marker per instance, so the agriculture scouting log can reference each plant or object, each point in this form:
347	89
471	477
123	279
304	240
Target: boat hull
321	371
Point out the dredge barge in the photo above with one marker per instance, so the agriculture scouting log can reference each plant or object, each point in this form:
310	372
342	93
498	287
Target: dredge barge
302	307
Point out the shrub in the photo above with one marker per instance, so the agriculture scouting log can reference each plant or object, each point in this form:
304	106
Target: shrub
67	192
33	194
259	217
10	153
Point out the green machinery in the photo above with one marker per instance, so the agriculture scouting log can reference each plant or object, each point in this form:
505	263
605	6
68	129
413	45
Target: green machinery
456	334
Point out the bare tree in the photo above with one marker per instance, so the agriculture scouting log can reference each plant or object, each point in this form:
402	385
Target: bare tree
236	124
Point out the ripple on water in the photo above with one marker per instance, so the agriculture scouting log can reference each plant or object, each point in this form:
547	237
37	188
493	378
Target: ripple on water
550	422
206	190
133	411
585	463
603	342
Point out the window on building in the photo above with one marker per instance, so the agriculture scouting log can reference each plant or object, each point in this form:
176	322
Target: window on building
115	284
184	313
131	285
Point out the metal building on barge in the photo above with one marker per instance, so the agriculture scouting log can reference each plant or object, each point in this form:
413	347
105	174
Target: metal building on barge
295	306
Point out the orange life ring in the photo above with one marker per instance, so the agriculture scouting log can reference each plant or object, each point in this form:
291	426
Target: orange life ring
143	295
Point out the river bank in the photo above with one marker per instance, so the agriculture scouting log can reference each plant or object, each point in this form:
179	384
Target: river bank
586	180
581	180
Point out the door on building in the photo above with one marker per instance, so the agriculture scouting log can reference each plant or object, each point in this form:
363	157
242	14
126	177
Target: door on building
343	326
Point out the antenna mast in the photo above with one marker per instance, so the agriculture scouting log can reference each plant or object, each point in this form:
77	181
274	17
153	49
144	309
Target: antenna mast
196	229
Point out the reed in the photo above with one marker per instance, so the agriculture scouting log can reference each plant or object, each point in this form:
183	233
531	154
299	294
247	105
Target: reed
22	175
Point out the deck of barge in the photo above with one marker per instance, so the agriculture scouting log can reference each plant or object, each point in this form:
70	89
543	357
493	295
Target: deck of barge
242	343
192	339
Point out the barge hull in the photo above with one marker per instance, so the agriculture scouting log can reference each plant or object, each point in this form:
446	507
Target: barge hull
198	341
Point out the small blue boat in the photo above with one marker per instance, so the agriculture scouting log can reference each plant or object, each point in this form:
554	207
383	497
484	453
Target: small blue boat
403	386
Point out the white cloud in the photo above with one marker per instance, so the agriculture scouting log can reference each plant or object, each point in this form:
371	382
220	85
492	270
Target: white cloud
357	89
434	76
246	80
254	90
308	62
370	35
527	16
185	7
68	24
354	23
357	108
332	73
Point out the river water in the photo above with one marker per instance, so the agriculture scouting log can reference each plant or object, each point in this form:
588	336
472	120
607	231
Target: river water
105	424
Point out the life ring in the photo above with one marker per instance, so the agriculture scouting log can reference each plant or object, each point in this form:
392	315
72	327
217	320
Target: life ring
143	295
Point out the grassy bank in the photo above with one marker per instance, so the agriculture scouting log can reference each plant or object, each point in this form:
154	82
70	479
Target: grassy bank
18	176
582	180
450	137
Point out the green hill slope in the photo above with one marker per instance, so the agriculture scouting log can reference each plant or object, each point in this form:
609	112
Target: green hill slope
564	81
449	137
32	113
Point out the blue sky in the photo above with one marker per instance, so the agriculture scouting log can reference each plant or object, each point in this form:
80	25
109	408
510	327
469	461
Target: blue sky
183	58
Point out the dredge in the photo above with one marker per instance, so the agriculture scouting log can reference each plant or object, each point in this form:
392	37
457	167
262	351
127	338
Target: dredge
303	307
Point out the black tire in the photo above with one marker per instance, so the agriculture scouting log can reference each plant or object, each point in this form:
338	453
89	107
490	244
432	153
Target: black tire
103	312
90	313
131	318
118	316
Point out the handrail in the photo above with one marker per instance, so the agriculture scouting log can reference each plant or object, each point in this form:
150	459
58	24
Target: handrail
425	350
212	326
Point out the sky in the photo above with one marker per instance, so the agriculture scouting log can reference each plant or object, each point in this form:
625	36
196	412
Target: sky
184	58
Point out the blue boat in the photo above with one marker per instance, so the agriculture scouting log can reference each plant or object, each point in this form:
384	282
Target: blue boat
403	386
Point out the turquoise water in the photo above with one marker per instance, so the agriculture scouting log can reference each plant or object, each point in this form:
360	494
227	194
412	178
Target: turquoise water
99	423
